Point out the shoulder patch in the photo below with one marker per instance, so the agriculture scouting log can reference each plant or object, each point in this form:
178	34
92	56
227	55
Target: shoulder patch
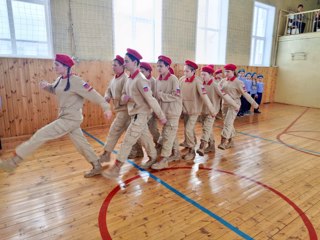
203	89
145	88
87	86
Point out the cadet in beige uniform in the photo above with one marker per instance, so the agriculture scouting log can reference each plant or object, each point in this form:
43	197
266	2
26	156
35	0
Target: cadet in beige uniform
136	151
194	95
71	91
146	69
215	95
122	119
167	92
138	96
235	88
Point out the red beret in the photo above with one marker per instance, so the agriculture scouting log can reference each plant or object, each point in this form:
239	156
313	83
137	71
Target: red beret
171	70
191	64
120	59
165	59
212	66
207	69
230	66
146	66
134	53
218	71
64	59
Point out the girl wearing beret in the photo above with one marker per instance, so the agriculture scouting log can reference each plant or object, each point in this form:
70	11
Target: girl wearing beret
122	119
140	102
235	88
146	70
215	95
167	93
194	96
71	91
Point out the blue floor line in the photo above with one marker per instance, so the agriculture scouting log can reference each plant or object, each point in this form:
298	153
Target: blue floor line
275	141
189	200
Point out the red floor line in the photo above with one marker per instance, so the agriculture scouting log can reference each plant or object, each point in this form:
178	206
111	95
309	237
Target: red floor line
286	130
313	139
104	208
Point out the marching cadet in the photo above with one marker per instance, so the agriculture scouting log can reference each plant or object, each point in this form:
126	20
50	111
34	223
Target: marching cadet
122	119
171	70
218	75
260	89
71	92
215	95
146	69
194	95
138	96
235	88
167	92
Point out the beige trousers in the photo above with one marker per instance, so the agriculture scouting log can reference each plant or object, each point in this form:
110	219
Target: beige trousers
138	129
118	126
228	130
169	133
189	130
56	129
207	124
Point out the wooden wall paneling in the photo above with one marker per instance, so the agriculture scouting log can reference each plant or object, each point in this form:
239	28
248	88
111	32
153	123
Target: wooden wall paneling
24	77
42	111
35	103
19	111
34	108
4	115
8	89
50	75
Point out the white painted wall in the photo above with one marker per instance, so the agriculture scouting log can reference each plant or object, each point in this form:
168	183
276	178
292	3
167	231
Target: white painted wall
298	81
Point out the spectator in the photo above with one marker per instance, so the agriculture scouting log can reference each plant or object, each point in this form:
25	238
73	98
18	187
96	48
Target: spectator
316	22
299	19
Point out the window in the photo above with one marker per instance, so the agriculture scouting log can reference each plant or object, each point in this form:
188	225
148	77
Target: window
262	30
212	31
137	25
25	29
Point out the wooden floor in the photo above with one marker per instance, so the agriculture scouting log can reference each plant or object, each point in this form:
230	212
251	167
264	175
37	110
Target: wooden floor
266	187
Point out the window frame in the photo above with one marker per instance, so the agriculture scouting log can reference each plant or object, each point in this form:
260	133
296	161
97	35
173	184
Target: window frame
13	40
221	31
135	20
268	35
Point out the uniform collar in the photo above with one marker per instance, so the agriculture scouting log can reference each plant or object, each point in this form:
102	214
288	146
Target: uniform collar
149	77
208	83
117	76
134	74
166	77
66	76
190	80
231	79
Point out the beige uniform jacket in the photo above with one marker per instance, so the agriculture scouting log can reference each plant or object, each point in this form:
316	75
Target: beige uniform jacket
168	93
194	95
152	84
215	95
114	92
70	102
235	89
141	99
